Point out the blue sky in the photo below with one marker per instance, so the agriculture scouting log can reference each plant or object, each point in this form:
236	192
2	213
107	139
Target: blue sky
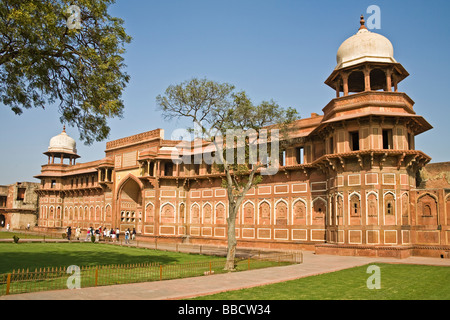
282	50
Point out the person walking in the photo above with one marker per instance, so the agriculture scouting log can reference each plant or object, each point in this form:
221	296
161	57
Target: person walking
133	234
77	233
117	234
127	236
88	234
69	233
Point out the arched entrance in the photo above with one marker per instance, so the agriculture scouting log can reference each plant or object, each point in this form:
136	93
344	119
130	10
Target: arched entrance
130	205
2	221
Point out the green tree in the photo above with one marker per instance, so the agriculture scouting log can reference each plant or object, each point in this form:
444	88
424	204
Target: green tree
45	58
216	110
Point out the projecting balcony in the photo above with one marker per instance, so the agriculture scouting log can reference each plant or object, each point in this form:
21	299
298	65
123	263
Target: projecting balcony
369	102
373	158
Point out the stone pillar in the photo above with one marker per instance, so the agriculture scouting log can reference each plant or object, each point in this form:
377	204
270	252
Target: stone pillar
338	86
389	80
345	82
367	79
158	171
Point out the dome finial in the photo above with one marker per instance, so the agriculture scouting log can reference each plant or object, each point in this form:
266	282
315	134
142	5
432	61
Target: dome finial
64	129
362	22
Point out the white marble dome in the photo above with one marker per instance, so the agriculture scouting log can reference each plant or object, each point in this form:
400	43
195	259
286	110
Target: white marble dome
364	46
62	143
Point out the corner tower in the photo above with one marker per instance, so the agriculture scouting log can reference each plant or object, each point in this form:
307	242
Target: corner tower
370	156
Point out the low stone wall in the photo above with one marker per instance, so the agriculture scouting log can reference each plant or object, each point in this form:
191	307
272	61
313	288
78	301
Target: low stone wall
400	252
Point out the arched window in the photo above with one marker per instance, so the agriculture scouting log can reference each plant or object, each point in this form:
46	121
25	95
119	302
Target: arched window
355	205
249	213
264	213
220	214
207	214
372	205
167	213
319	209
108	213
195	213
389	201
281	211
427	209
299	213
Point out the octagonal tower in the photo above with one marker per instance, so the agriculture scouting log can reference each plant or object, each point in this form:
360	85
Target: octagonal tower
370	151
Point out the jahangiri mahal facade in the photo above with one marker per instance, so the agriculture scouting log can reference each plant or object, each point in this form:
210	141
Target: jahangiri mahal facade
348	181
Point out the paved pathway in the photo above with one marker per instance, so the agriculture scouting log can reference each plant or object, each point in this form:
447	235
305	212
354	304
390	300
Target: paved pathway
190	287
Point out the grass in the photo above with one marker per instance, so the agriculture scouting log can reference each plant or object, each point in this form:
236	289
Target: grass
9	235
39	255
101	264
398	282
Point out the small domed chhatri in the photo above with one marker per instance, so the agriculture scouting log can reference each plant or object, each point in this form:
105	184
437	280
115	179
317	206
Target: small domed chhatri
365	62
365	46
62	147
62	143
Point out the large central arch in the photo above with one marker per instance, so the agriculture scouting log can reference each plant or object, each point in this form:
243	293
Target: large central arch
129	200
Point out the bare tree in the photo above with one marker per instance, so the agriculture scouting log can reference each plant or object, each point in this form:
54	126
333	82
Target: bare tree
219	112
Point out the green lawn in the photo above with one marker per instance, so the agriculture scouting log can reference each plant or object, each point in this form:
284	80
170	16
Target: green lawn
21	235
100	264
398	282
38	255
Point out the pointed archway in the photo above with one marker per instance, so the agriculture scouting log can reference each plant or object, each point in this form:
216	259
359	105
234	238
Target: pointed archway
129	200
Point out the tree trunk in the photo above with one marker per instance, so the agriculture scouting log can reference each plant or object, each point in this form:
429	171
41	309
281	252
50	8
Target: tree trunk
231	251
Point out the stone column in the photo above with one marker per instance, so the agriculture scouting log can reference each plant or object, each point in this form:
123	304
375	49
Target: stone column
367	79
338	86
158	168
389	80
345	82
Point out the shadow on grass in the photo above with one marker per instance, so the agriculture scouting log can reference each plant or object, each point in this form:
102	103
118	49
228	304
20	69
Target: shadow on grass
31	257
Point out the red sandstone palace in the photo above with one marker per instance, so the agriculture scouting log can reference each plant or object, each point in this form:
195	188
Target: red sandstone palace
348	181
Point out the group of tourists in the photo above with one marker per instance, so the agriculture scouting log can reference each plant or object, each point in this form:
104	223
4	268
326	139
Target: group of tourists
102	233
